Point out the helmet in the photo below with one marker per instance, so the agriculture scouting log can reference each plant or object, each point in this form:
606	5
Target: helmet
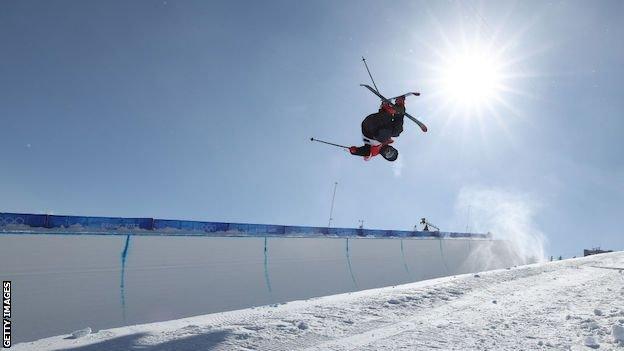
389	153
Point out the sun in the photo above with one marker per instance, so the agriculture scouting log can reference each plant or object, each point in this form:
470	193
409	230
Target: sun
471	78
476	78
474	70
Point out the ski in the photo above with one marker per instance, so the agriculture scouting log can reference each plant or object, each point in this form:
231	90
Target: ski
407	94
422	126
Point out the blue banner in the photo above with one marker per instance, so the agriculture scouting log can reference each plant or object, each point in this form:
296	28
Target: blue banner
16	222
18	219
99	223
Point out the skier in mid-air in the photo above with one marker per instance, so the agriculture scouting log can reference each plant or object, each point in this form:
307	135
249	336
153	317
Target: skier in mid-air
379	128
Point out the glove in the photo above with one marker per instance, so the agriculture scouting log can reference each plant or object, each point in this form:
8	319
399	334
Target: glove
387	108
353	149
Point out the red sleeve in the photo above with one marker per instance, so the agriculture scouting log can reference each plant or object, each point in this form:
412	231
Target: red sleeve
375	149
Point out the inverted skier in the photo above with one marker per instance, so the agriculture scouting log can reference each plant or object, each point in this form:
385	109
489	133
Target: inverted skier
379	128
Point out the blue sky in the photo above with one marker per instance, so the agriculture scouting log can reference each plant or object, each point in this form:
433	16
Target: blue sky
204	110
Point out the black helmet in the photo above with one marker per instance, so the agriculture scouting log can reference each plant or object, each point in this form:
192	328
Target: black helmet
389	153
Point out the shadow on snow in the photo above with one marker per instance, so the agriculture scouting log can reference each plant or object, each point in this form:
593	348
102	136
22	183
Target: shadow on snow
205	341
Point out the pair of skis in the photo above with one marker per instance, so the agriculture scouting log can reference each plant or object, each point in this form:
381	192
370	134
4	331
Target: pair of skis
422	126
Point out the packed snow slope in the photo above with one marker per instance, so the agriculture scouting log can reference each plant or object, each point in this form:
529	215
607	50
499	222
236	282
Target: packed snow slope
572	305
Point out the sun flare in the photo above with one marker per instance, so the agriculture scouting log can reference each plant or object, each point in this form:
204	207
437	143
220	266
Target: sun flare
471	78
475	71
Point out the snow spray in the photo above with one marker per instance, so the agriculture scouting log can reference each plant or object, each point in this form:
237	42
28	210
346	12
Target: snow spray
509	216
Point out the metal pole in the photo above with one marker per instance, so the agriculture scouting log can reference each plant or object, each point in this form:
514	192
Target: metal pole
369	74
331	211
468	220
328	143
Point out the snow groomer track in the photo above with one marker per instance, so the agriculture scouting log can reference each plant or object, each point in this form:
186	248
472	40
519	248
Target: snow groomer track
108	272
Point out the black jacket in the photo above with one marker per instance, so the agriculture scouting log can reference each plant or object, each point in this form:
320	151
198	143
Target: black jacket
381	126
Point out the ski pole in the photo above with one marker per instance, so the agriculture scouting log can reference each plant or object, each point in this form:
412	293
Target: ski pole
369	74
328	143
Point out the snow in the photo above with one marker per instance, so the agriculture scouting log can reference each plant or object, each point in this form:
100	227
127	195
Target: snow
80	333
541	306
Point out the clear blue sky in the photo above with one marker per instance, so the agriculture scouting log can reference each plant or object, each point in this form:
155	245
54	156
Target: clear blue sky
204	109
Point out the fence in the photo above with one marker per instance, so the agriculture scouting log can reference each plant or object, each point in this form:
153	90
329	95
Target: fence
30	223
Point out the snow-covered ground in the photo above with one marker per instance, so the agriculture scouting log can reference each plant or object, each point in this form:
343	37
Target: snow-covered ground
573	304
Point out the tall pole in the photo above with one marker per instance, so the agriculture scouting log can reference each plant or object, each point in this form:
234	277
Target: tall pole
331	211
369	74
